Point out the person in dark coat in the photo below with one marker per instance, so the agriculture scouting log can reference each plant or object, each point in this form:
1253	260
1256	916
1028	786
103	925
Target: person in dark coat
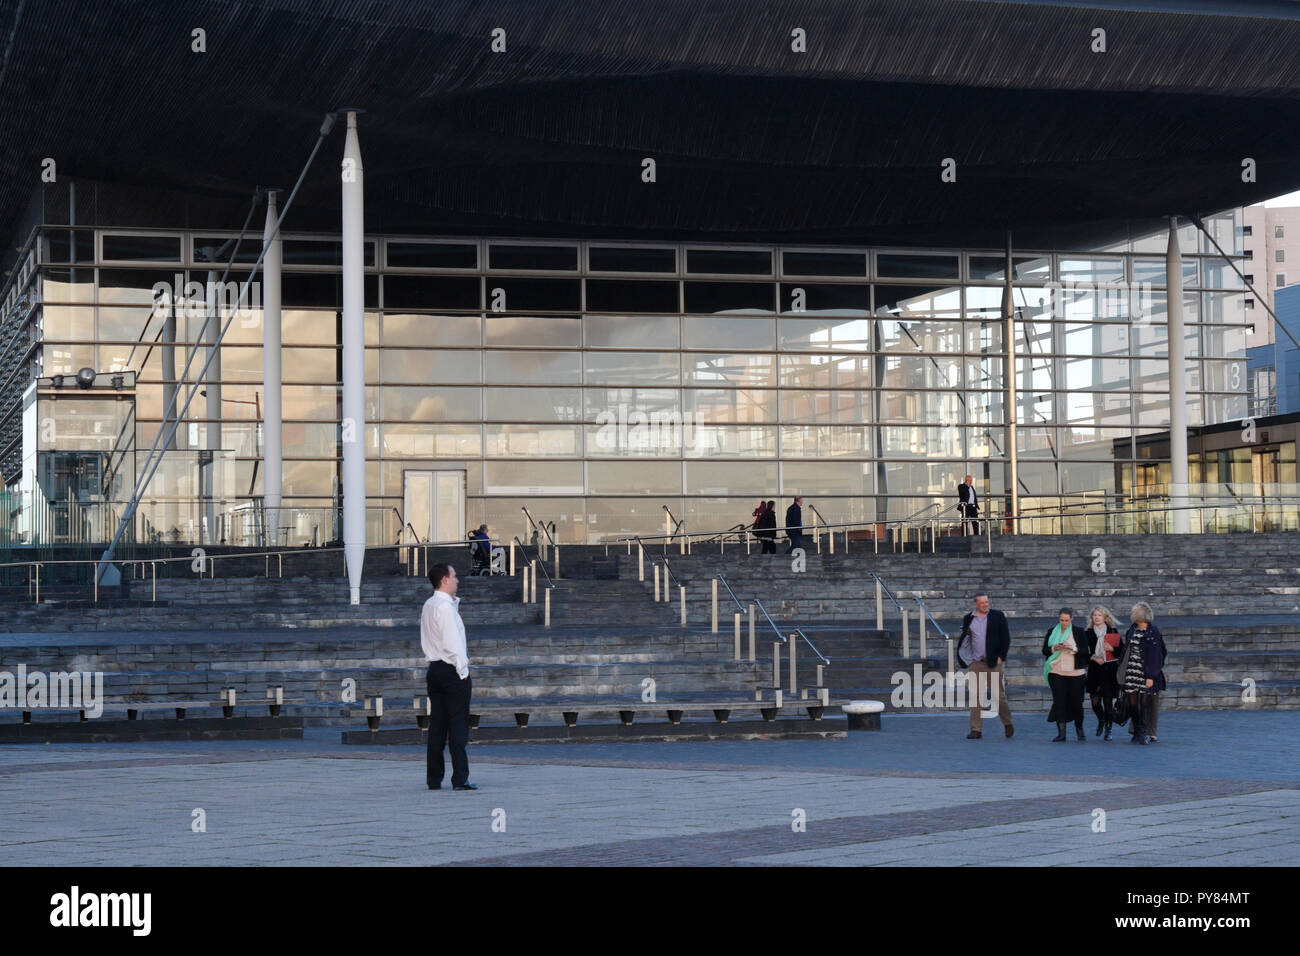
968	502
794	524
765	528
986	639
1104	643
1141	669
1065	647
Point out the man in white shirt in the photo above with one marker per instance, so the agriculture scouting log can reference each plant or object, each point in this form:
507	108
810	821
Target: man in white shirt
442	637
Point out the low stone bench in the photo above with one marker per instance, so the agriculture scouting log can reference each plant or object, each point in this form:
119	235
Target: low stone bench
374	710
864	714
227	700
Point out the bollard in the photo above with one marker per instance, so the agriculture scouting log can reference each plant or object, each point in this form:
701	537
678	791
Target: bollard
736	617
715	605
640	562
547	618
906	655
880	608
681	593
793	675
776	665
656	584
751	632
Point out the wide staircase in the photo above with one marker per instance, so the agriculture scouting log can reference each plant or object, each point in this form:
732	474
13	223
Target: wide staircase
1226	605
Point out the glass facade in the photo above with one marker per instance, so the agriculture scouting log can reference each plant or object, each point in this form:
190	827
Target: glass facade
595	382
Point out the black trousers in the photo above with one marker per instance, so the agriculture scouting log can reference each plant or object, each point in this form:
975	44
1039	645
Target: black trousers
1067	699
970	512
769	546
796	540
448	723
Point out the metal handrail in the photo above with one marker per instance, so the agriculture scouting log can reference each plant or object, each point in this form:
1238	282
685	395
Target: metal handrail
723	579
925	610
811	646
677	522
669	569
885	590
534	524
540	563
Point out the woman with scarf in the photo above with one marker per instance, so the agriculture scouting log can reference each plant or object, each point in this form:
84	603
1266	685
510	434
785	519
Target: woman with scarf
1141	669
1102	682
1066	679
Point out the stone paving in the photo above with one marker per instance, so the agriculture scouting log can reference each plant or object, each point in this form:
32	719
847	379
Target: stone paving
1219	789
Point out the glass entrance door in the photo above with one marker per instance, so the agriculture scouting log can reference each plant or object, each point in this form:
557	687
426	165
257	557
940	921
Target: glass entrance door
433	506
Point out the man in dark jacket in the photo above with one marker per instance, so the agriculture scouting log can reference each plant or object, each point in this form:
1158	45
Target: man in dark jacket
986	640
794	524
968	502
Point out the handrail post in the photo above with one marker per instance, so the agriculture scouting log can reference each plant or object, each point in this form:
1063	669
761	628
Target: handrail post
920	627
640	562
906	637
714	588
547	597
880	608
932	536
681	594
556	552
512	557
681	538
752	646
532	587
523	579
950	659
988	530
736	619
794	679
776	666
656	567
831	535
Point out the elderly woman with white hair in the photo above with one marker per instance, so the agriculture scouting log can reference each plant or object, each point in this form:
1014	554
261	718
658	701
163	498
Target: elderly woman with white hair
1141	669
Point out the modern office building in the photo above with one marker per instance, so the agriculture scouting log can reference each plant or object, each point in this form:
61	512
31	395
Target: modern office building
687	277
1270	243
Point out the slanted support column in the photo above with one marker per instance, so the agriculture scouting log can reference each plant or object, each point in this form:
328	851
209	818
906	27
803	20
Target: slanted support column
215	297
271	376
1181	523
354	364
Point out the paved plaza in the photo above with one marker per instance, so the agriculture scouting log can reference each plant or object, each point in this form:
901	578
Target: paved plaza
1218	789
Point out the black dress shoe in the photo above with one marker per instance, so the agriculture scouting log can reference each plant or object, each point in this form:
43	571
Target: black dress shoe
1107	737
465	786
438	787
1078	732
1100	724
1060	733
974	735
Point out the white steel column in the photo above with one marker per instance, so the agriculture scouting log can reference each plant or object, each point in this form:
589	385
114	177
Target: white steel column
354	364
214	297
1181	523
1009	380
170	513
271	416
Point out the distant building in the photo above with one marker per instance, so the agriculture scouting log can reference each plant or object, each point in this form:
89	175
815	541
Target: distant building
1270	241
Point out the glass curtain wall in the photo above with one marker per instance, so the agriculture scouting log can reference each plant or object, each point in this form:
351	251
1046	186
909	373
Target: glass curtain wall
596	382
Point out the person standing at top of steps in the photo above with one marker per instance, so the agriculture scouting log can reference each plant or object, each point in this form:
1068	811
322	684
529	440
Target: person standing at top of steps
987	638
442	638
794	524
969	506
